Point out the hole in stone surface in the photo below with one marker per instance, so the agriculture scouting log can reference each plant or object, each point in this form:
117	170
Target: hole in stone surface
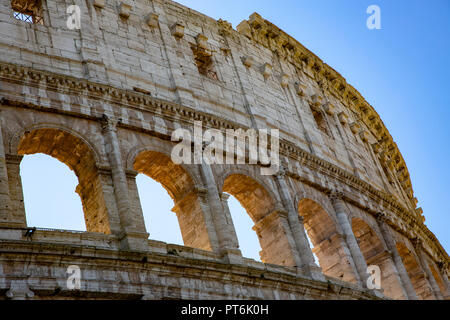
321	122
204	62
28	11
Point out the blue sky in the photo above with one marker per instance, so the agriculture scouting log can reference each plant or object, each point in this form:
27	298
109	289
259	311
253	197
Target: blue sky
402	70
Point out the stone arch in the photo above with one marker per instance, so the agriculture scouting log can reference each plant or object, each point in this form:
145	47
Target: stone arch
251	194
75	152
17	136
154	144
328	242
375	253
251	172
437	276
415	272
188	195
321	200
271	224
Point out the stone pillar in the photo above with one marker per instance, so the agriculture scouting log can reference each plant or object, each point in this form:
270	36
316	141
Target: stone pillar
345	257
228	243
227	214
444	276
277	242
355	251
5	201
424	264
307	266
131	239
398	262
105	178
195	220
135	202
17	215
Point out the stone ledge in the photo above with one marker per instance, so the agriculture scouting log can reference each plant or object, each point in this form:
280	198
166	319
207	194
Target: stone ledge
56	257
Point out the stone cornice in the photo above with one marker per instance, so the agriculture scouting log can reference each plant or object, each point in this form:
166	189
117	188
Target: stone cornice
270	36
126	98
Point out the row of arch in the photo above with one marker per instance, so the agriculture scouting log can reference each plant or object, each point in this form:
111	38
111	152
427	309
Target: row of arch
257	196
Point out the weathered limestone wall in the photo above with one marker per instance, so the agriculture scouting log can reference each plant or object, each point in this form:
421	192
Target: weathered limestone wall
184	273
127	53
105	100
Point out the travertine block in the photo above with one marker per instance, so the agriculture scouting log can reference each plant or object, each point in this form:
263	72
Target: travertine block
266	70
99	3
178	30
152	20
124	10
248	61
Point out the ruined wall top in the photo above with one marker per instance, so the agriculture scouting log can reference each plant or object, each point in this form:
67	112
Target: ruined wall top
254	76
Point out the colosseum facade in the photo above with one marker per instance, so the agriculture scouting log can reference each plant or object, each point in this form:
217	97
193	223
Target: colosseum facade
105	99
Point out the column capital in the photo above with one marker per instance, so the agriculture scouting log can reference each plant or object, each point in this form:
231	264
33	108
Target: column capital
441	265
381	216
13	158
281	173
108	123
417	243
337	200
335	195
201	192
224	196
131	173
104	171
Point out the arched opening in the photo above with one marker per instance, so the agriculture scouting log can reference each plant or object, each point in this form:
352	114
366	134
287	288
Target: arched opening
375	254
269	224
415	273
248	239
77	155
328	244
28	10
49	194
160	222
438	278
188	202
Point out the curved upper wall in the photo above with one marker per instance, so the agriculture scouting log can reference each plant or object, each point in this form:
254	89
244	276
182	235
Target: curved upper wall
257	76
334	88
